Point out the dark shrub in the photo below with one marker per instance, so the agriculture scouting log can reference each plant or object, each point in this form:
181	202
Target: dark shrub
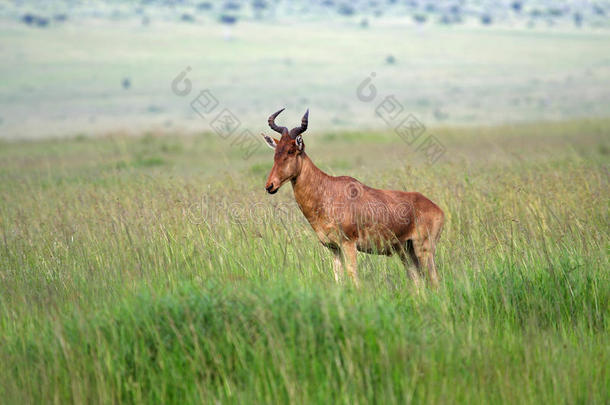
187	18
346	9
598	10
231	5
259	4
42	22
34	20
28	19
204	5
228	19
420	18
445	19
440	114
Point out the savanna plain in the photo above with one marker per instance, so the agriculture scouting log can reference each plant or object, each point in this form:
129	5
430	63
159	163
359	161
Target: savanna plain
155	268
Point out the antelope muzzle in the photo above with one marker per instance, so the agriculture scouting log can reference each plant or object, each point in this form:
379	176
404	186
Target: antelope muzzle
271	189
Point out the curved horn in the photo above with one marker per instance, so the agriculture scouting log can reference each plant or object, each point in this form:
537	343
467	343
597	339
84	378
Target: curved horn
299	130
272	125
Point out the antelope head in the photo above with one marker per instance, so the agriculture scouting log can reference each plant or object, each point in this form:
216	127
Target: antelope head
289	150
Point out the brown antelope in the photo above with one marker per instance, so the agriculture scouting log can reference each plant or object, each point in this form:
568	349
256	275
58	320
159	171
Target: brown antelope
349	216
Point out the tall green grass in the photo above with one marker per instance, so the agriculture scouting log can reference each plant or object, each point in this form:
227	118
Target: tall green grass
123	281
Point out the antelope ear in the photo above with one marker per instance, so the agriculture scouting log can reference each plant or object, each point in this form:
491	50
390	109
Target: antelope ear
270	141
299	142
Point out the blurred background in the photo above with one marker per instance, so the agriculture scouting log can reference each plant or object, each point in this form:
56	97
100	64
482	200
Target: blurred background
142	260
87	68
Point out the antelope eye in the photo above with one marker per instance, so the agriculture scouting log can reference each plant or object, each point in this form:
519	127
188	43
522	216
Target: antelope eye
291	152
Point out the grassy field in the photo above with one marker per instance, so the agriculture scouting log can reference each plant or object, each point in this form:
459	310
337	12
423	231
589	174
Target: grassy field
157	269
67	79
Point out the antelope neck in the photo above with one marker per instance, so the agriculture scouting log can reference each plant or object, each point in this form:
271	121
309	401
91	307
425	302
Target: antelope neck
309	184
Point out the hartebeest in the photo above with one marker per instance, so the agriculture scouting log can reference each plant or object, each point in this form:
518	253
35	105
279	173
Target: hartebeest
348	216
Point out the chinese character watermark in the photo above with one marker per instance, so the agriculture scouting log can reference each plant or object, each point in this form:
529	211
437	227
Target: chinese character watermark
225	124
404	124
